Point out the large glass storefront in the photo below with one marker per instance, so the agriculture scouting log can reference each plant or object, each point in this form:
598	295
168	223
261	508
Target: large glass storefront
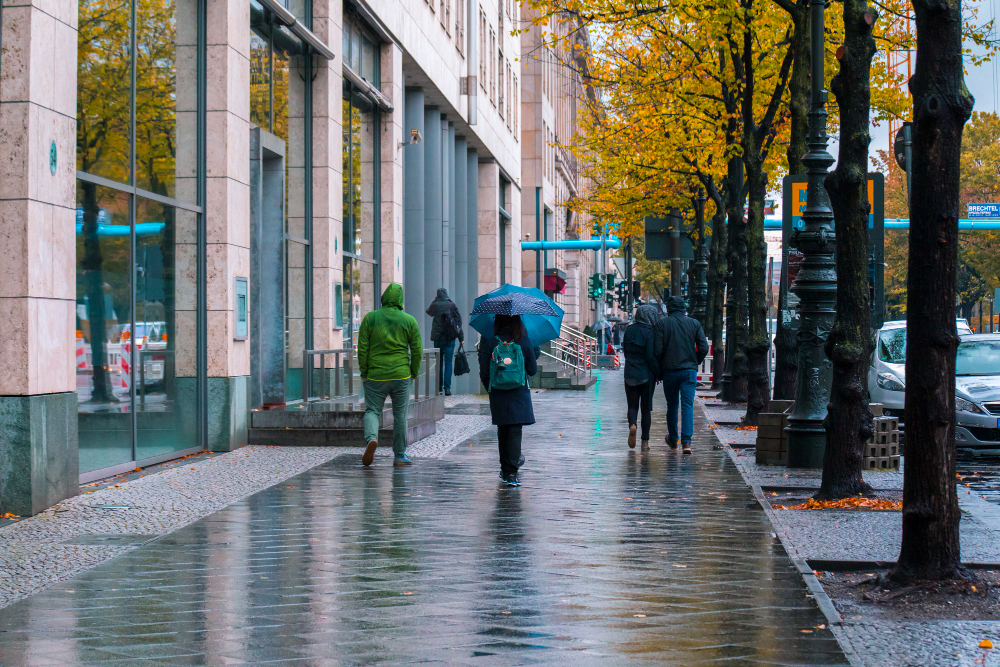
361	188
137	230
280	76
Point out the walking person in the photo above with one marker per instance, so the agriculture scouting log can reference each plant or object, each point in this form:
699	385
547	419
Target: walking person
506	360
389	353
641	371
681	346
446	328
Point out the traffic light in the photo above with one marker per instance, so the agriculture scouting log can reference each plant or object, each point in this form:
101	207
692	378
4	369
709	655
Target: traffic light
609	281
595	287
636	290
621	292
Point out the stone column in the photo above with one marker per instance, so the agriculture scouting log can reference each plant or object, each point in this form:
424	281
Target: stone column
461	239
393	134
488	207
514	235
39	462
227	217
327	176
452	240
471	222
447	220
433	219
414	205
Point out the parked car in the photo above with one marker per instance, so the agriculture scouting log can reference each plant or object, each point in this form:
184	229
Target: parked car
977	392
886	374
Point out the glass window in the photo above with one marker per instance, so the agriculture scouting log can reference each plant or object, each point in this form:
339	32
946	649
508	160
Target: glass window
103	320
165	337
260	81
104	89
166	119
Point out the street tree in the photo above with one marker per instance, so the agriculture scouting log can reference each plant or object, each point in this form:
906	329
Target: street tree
941	106
848	421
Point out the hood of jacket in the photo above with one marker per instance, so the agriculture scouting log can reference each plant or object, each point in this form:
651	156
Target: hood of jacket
442	294
675	304
393	296
647	314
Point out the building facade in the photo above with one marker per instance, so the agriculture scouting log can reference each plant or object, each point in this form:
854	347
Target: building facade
553	92
196	193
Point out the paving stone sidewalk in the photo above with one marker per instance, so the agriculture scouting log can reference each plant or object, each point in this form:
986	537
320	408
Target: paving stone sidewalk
873	536
93	527
603	555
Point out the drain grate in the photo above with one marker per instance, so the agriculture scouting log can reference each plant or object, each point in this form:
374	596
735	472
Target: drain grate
111	540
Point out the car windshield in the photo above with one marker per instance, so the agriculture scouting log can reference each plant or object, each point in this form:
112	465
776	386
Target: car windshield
978	357
892	346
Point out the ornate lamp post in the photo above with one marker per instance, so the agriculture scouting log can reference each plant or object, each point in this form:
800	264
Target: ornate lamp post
699	308
816	284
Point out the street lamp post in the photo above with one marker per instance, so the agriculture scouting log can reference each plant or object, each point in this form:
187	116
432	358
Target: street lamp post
816	283
699	309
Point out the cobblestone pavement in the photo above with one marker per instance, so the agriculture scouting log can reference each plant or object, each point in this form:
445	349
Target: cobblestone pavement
93	527
604	554
875	536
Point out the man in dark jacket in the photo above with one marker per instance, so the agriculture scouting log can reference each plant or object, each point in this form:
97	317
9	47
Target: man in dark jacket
681	346
446	328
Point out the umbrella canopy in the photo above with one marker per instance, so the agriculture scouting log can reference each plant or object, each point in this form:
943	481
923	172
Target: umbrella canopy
541	317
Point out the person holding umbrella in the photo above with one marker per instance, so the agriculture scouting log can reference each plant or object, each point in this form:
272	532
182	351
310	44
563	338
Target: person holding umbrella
513	321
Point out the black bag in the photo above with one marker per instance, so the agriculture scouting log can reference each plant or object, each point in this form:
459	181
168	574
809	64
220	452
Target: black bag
452	325
461	361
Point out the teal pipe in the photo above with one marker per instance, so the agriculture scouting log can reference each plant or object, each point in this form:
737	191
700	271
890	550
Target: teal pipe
593	244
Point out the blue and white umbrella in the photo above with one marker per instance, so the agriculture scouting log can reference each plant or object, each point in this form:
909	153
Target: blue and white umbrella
541	317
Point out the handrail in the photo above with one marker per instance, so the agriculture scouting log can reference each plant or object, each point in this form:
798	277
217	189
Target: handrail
307	370
563	361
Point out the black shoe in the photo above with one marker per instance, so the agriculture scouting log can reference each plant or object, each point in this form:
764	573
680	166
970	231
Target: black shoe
447	392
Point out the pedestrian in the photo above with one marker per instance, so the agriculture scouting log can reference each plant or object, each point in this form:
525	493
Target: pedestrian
610	351
641	371
506	360
680	348
389	352
446	328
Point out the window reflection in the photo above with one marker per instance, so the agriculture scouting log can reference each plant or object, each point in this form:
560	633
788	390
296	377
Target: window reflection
166	122
260	81
103	319
104	85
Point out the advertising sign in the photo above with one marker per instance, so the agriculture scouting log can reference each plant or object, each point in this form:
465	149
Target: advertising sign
984	211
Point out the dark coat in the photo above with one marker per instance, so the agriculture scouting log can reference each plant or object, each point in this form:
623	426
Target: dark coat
639	345
508	406
440	309
680	340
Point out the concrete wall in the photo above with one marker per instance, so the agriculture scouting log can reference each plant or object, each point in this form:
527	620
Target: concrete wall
38	435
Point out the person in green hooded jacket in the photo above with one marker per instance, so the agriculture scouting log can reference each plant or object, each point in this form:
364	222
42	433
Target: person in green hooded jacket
389	353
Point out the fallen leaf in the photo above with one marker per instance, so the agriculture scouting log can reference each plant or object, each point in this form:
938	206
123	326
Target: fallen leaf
986	643
844	503
640	615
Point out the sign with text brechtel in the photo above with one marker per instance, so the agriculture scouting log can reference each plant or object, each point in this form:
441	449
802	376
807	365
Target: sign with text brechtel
983	211
793	203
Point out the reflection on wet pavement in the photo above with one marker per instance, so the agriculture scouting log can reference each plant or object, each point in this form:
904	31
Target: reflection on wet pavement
602	554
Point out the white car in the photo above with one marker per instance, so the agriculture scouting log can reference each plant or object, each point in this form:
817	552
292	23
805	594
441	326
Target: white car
977	392
886	374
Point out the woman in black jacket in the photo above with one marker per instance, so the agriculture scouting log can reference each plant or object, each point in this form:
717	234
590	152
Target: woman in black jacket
511	408
641	371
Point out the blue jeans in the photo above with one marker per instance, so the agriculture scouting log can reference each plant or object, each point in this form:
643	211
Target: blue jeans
680	384
447	363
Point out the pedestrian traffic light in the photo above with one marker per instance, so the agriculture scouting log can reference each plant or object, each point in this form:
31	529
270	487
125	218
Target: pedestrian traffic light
609	281
636	290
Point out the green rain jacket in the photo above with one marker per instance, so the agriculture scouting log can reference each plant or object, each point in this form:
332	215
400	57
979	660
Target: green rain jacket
389	346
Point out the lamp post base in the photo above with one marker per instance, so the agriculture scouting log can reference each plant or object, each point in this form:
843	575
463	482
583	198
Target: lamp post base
806	443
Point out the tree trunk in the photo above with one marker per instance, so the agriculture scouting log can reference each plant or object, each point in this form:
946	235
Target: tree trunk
719	241
734	385
786	344
758	340
941	105
849	346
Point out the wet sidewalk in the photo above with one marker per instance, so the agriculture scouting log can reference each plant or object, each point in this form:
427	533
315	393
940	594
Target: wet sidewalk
603	554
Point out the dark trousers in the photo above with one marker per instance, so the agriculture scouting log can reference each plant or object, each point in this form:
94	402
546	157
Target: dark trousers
509	439
640	399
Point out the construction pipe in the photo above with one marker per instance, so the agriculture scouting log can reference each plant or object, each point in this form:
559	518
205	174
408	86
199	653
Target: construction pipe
592	244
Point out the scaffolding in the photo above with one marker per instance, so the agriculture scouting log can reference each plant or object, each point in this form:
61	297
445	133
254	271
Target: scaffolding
899	61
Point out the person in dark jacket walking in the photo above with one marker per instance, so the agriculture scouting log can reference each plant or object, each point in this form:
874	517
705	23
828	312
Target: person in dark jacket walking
641	371
681	346
446	328
511	408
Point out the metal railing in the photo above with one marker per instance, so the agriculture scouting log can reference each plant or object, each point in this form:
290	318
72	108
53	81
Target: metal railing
335	378
342	374
574	350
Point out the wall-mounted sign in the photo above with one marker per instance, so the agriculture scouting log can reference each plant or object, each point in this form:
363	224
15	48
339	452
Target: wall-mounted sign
984	210
52	158
241	305
338	306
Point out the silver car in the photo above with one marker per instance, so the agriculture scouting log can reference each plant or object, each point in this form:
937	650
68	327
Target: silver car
977	392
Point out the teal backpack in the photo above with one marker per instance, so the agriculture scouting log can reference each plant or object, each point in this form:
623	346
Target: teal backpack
507	367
